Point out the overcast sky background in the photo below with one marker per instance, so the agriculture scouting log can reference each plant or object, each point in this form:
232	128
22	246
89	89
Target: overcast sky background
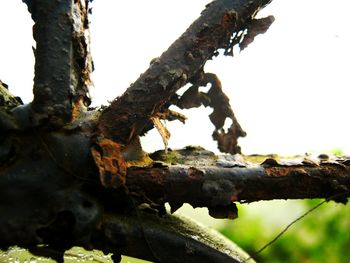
289	88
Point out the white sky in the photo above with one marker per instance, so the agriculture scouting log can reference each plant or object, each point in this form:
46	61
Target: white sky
289	89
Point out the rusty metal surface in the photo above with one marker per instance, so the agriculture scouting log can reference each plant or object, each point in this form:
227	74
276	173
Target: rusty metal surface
43	191
51	194
220	103
216	182
180	64
86	184
62	60
171	239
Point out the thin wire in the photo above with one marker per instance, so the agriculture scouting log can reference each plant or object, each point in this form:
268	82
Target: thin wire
140	221
292	223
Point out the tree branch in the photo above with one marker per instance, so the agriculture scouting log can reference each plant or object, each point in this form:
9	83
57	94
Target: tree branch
129	115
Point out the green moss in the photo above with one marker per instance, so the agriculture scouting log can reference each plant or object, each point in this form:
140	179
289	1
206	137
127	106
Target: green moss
190	155
6	98
337	151
76	254
171	157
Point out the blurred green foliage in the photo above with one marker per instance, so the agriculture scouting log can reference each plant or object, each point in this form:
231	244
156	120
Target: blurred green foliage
321	236
76	254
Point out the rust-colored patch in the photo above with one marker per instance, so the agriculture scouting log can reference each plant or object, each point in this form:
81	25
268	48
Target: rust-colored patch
282	171
76	111
229	20
277	171
195	173
110	163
